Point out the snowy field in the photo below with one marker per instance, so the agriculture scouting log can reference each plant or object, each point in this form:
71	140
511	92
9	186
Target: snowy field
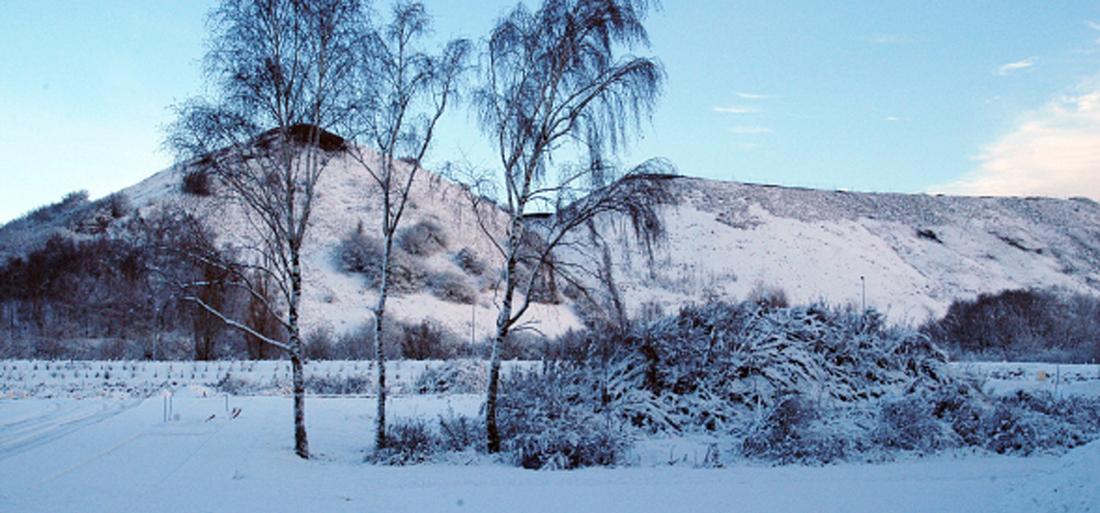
101	448
78	379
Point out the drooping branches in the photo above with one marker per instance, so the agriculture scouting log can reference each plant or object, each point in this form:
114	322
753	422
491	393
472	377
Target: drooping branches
560	94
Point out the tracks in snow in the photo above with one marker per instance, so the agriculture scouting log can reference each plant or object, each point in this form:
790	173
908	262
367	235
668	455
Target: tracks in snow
35	430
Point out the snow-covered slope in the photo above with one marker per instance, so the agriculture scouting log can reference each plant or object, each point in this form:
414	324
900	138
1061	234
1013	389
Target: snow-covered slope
916	252
341	301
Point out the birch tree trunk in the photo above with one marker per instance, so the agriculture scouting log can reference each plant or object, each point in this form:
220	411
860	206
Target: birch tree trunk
301	441
379	350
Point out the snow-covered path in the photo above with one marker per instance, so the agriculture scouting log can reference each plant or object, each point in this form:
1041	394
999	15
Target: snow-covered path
129	460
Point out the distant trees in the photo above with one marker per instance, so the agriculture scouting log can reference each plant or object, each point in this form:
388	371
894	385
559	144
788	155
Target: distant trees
1041	325
281	72
68	294
557	84
402	90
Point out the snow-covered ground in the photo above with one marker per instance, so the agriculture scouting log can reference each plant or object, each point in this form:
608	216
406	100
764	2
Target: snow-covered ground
119	455
101	449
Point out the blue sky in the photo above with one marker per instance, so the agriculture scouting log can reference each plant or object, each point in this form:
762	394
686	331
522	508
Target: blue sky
961	97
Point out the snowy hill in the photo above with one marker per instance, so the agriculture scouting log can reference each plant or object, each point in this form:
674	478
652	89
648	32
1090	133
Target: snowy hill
917	253
340	300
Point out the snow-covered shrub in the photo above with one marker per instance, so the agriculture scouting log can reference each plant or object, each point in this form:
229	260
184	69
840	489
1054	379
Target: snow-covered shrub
453	377
961	407
568	443
1026	423
459	433
319	344
710	361
426	340
799	430
425	238
468	261
197	183
908	424
768	295
416	440
232	385
453	287
790	385
118	205
339	385
555	419
408	442
362	254
355	344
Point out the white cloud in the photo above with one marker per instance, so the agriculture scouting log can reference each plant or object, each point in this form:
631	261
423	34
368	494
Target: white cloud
753	96
892	119
1094	26
1053	151
737	109
1013	67
751	130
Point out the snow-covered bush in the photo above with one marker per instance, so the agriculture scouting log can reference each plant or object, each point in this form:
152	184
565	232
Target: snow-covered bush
356	344
468	261
459	433
319	344
232	385
799	430
453	377
339	385
453	287
710	361
408	442
425	238
768	295
416	440
197	182
362	254
1026	423
908	424
789	385
426	340
555	419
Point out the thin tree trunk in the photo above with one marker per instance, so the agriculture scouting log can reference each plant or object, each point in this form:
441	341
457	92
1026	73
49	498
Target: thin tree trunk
379	350
492	431
301	441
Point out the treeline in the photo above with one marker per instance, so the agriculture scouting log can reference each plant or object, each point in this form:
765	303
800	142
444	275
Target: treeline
119	295
1032	325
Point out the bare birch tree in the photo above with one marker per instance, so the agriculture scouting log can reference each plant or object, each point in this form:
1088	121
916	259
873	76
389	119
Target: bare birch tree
280	72
403	91
556	85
